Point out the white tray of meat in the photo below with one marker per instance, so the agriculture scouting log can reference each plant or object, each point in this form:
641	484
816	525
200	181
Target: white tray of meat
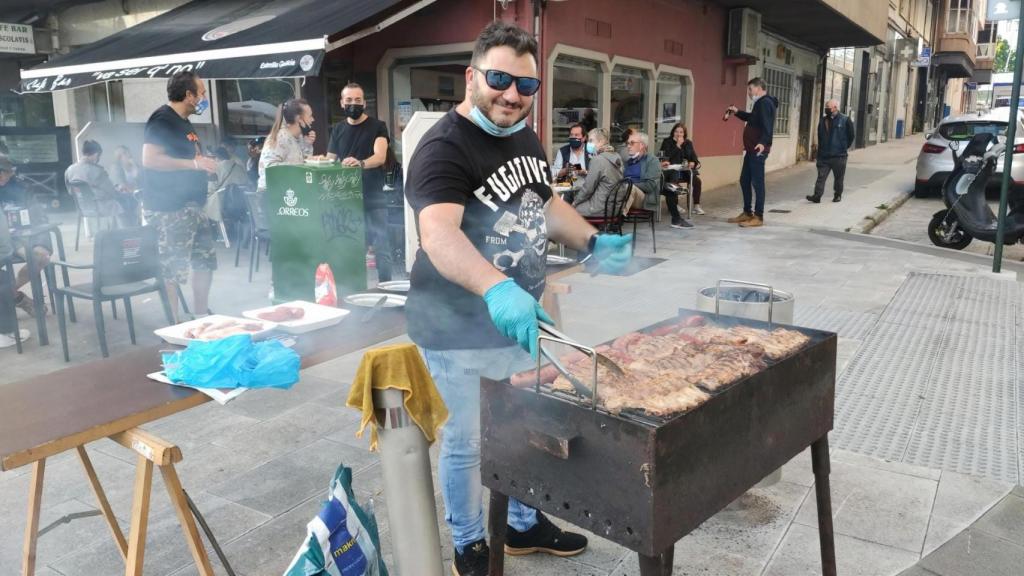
298	316
213	327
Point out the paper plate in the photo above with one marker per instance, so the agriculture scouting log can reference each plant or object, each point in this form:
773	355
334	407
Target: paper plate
177	334
368	299
394	286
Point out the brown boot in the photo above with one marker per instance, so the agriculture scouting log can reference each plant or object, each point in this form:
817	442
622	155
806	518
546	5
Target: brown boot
753	222
743	217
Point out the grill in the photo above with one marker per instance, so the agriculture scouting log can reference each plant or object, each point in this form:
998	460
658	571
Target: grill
645	482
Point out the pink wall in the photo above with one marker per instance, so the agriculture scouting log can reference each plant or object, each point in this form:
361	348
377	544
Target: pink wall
639	29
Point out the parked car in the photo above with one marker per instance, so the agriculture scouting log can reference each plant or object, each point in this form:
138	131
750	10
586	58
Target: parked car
935	161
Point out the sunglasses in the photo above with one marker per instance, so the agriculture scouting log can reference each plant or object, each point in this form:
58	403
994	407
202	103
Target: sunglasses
499	80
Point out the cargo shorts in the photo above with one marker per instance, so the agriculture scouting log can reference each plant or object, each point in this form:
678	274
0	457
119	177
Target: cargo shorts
185	237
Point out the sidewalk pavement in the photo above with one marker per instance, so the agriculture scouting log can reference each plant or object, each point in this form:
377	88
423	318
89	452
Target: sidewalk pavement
878	179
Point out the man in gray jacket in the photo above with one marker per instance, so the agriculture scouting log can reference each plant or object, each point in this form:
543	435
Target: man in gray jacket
835	136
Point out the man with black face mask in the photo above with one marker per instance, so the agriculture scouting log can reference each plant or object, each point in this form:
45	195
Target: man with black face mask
572	154
363	141
835	136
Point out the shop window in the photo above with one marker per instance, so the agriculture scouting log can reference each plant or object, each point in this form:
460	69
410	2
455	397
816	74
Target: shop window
26	110
250	106
673	92
780	85
629	100
432	84
960	17
576	88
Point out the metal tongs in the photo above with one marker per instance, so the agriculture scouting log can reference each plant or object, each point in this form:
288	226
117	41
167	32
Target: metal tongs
551	334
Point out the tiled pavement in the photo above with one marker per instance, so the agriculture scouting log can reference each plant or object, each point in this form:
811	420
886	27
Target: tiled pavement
259	466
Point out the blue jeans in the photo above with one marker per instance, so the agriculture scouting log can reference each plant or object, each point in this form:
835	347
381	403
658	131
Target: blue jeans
752	175
457	376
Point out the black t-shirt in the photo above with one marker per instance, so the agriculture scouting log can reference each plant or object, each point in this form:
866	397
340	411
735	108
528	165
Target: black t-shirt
356	140
505	186
171	190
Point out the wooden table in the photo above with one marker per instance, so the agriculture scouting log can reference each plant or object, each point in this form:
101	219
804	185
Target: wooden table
46	415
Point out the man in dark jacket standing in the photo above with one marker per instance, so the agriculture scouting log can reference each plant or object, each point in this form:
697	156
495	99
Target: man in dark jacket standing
757	143
835	136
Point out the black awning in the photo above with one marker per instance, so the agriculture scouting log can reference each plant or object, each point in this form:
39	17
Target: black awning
219	39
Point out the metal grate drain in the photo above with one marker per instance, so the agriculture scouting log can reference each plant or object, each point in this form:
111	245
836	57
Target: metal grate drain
939	379
846	323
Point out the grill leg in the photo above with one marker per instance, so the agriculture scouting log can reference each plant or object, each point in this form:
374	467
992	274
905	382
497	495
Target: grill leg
660	565
820	464
497	522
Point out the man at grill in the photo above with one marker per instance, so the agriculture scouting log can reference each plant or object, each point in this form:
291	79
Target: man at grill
481	189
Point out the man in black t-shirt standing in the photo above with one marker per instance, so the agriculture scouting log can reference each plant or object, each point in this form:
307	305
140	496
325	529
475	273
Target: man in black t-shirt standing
480	186
363	141
174	193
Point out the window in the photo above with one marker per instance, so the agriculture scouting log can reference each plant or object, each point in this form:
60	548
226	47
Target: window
576	90
780	85
629	100
842	58
26	111
427	84
250	106
673	91
960	18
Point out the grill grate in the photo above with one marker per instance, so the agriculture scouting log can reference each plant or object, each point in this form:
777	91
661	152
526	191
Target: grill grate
938	381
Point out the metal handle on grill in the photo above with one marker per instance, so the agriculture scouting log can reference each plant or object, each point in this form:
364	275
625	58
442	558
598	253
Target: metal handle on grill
771	295
541	337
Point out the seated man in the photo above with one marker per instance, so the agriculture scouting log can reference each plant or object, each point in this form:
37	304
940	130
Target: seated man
7	320
571	155
108	199
644	171
14	195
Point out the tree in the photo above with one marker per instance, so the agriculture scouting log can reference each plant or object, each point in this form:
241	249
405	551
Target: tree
1005	57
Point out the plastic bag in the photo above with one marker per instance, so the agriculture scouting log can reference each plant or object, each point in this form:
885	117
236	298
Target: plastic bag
234	362
342	540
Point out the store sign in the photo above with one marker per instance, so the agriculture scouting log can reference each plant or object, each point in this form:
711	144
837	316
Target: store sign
1003	10
17	39
924	59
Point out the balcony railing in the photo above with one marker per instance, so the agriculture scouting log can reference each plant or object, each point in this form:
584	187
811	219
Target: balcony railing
986	51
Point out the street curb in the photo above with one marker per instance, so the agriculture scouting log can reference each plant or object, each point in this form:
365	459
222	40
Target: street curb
878	216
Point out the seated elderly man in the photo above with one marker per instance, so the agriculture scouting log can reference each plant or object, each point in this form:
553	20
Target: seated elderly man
109	199
7	320
644	171
14	196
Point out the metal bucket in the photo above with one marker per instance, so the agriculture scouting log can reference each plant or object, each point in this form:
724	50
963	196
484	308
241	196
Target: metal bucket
752	301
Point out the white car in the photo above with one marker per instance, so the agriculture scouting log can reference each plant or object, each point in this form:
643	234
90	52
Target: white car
935	161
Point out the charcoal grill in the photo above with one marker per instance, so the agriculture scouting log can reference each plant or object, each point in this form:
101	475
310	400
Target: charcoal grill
645	482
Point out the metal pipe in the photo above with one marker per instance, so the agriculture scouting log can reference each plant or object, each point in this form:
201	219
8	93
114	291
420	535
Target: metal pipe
409	486
1011	137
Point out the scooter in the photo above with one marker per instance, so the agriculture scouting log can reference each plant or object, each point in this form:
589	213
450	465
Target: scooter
967	215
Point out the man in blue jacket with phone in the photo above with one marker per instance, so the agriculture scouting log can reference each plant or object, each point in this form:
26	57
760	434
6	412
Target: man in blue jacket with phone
757	143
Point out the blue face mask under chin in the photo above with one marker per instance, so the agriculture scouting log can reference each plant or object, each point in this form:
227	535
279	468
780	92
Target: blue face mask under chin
201	106
481	120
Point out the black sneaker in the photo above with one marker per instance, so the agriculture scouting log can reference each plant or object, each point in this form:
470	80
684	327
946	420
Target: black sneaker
474	560
544	537
682	223
837	198
815	199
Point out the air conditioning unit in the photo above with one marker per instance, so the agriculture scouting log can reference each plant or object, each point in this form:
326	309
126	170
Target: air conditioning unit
744	26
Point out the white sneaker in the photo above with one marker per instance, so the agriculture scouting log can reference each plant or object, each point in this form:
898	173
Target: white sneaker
7	340
698	210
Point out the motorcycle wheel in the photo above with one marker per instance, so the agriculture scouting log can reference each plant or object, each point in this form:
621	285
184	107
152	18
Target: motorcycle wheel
937	229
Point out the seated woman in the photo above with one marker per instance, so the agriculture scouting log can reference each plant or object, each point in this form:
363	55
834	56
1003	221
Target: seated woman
678	149
605	172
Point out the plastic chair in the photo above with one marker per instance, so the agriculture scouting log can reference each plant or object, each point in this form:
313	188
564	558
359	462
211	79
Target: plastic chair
88	207
259	230
125	264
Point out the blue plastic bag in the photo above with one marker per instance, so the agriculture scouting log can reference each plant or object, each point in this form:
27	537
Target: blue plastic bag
234	362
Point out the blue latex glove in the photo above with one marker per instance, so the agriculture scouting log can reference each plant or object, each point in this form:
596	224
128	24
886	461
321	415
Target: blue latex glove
515	313
613	252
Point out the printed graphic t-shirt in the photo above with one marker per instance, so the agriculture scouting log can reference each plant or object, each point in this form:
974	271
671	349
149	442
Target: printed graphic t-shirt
357	140
505	186
172	190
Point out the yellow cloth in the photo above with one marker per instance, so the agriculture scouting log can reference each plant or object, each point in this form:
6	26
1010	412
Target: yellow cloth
399	366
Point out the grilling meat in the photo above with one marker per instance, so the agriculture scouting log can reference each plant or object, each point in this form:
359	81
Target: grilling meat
676	367
221	329
282	314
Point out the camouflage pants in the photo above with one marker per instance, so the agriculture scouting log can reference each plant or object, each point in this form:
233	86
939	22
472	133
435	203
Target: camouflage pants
185	236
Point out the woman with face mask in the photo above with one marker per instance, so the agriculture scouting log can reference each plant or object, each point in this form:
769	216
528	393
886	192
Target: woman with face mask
605	172
289	138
